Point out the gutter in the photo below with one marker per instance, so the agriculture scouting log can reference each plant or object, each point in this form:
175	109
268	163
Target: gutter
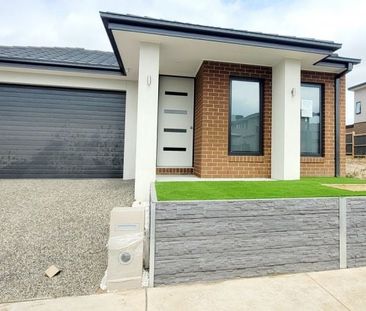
58	65
105	21
337	125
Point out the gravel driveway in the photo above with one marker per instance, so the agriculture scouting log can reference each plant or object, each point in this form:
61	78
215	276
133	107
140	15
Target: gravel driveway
55	221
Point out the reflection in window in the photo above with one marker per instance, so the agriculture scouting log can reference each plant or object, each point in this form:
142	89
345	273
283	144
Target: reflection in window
245	119
311	114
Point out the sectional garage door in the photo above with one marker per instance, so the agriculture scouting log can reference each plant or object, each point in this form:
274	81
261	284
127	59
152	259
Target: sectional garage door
60	133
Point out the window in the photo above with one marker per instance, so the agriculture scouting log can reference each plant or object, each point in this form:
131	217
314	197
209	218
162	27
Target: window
358	108
311	119
245	137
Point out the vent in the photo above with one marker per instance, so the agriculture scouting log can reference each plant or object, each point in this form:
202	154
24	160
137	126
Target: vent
175	111
174	149
176	93
168	130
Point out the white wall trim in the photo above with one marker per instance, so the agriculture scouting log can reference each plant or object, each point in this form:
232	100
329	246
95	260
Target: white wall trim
62	79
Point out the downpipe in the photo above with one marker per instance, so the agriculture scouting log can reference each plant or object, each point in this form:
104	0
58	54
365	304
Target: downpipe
337	129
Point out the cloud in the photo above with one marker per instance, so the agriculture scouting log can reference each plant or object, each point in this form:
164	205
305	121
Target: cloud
77	23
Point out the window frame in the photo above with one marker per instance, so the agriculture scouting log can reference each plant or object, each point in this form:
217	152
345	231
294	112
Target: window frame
358	102
321	87
261	118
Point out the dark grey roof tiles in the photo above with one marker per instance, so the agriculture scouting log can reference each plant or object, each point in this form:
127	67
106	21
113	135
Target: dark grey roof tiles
73	57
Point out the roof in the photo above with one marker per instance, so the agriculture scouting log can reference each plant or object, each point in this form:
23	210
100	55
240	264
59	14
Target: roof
357	86
78	58
338	61
127	22
148	22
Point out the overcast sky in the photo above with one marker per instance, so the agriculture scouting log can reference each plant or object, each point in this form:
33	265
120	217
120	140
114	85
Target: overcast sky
76	23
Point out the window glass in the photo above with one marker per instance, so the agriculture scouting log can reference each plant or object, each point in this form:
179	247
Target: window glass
311	119
245	119
358	107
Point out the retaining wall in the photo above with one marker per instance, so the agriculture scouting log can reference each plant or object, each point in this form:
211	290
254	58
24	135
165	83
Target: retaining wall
211	240
356	232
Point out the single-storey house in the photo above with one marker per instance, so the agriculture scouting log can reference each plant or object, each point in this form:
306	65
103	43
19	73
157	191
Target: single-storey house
174	98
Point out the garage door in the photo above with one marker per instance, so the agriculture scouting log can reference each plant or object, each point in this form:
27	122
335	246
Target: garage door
60	133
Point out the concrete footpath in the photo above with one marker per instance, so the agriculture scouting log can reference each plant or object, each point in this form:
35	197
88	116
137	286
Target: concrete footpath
329	290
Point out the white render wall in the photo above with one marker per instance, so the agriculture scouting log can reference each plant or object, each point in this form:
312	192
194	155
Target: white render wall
130	131
147	120
286	87
77	79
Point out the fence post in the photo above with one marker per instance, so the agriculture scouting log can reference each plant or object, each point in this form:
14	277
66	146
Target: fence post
353	144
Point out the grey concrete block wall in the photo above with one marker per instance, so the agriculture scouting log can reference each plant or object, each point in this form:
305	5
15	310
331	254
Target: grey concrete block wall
211	240
356	232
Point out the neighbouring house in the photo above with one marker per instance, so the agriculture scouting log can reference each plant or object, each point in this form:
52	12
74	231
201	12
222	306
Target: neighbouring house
356	132
359	126
174	98
350	128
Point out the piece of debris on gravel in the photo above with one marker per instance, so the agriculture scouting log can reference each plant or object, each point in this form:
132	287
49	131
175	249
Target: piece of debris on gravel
52	271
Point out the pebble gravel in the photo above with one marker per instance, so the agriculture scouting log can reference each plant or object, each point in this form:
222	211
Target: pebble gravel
61	222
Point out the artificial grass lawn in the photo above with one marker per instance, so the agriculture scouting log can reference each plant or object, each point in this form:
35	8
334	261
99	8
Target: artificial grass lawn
220	190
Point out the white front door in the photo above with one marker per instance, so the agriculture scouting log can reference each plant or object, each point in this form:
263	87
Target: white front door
175	122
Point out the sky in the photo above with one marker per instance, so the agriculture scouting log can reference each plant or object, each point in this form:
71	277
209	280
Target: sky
76	23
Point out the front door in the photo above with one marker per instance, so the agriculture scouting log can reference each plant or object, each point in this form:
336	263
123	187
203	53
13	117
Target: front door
175	122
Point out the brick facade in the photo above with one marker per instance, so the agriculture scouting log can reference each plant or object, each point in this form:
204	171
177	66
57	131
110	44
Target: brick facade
324	166
351	128
359	128
212	90
174	170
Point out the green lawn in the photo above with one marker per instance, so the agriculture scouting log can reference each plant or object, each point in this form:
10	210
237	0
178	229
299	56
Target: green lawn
219	190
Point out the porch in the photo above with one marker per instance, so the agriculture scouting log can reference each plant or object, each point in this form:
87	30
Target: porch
190	72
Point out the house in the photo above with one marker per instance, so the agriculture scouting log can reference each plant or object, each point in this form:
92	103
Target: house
174	97
359	126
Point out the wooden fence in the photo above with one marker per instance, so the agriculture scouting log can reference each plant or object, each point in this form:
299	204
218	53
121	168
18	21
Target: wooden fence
356	144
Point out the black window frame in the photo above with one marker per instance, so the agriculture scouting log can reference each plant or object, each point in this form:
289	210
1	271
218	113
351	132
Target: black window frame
321	120
358	102
261	106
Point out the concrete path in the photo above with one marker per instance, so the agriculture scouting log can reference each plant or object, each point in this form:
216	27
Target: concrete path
329	290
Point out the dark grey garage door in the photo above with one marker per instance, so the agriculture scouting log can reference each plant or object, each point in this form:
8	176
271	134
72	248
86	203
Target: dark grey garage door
57	132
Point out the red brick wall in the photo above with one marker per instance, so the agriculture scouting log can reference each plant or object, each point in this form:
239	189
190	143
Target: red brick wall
174	170
211	157
351	128
358	128
324	166
343	126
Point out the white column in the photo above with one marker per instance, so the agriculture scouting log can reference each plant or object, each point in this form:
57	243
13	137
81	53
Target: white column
286	87
147	120
130	131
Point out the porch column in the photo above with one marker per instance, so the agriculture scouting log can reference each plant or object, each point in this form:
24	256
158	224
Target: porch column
286	87
147	119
